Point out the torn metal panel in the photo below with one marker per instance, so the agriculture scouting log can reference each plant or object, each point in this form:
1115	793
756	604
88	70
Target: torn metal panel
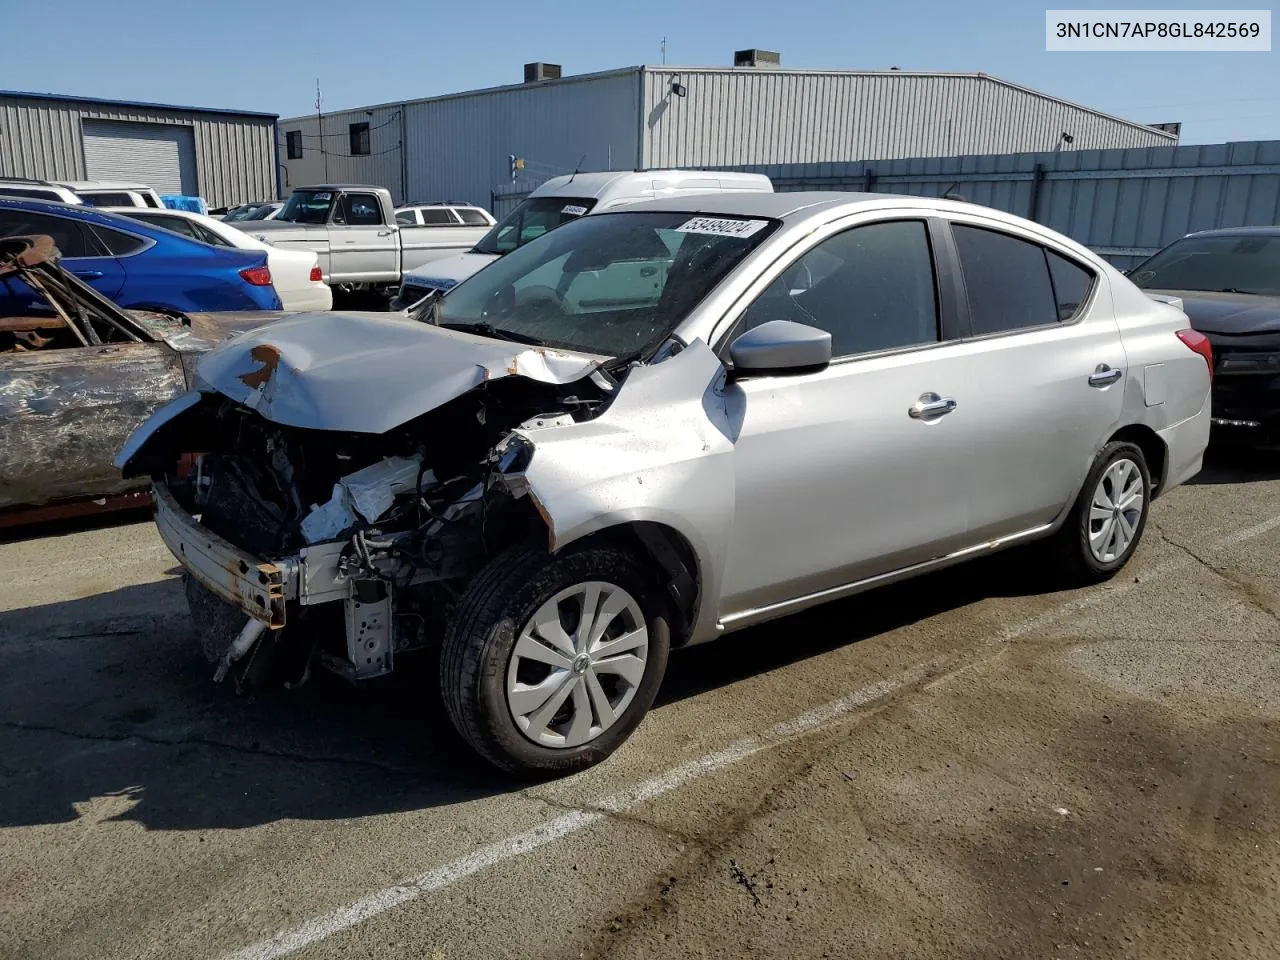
258	588
367	493
369	373
661	453
65	413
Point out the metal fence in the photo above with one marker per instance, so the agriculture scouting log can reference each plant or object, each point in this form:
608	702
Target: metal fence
502	200
1124	204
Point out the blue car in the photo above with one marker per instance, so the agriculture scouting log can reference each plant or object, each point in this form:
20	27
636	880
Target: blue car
138	266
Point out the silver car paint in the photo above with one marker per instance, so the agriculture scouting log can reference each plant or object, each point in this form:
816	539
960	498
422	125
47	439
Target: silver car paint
369	373
793	490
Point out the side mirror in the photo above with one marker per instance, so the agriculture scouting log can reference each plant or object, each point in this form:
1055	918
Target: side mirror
779	346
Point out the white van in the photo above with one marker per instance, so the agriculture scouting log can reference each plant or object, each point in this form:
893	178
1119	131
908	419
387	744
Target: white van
560	200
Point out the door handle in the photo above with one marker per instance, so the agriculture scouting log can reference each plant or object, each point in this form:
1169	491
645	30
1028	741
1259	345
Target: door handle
930	406
88	274
385	233
1104	376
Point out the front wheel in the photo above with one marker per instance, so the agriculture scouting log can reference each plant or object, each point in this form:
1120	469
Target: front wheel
552	661
1107	520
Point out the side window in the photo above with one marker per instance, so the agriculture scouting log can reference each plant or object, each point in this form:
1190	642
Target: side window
211	238
176	224
108	199
150	201
406	218
119	244
437	217
1071	284
1007	281
472	218
360	210
69	236
293	144
870	287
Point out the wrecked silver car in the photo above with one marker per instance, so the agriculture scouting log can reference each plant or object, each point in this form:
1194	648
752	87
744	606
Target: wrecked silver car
630	434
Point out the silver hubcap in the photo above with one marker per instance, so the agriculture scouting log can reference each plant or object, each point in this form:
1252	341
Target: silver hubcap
577	665
1116	510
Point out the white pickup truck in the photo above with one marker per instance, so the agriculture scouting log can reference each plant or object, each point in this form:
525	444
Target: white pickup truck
354	231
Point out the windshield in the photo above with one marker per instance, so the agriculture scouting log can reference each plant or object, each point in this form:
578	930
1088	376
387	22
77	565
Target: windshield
614	284
530	220
1238	264
307	206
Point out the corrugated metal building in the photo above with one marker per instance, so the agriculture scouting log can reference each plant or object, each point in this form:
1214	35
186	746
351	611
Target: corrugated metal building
225	156
456	147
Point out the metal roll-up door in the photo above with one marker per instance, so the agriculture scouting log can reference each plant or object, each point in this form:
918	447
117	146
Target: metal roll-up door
160	156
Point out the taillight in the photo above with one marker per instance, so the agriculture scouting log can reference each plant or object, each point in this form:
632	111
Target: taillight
1199	343
258	276
316	276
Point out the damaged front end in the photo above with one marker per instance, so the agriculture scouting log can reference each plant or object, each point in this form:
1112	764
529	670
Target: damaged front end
311	542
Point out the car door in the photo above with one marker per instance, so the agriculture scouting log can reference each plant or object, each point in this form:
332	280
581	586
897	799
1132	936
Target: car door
82	253
1048	367
361	247
852	471
66	410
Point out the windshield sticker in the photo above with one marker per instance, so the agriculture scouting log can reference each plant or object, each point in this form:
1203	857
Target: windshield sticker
721	227
324	196
573	210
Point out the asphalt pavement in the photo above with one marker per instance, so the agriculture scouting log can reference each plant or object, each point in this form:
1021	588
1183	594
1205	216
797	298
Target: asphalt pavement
969	765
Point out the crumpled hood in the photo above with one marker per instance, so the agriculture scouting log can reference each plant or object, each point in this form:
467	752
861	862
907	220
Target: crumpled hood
1233	314
368	372
456	268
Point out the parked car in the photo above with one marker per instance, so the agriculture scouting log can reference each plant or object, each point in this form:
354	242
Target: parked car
265	210
1228	282
113	193
76	377
561	200
139	266
443	214
355	231
295	274
652	427
25	189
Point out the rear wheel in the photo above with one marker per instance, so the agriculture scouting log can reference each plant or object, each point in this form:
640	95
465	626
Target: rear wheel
552	662
1109	516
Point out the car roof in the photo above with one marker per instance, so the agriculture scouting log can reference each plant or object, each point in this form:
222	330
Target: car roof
102	185
790	204
340	186
598	184
1259	231
83	212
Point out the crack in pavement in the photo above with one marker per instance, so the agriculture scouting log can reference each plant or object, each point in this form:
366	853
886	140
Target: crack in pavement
206	742
1249	591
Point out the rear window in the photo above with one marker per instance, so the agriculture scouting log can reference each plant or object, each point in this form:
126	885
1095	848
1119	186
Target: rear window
108	199
472	217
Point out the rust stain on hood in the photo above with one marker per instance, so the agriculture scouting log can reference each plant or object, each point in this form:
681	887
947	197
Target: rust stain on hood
269	357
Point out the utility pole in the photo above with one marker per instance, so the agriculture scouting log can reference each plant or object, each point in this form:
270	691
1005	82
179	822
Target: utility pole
664	50
320	121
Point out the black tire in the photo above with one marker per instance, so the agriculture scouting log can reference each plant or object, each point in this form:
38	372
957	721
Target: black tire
480	640
1070	545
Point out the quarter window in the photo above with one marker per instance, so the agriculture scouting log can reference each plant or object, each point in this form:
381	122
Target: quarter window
119	244
1013	284
359	134
473	218
871	287
1071	284
293	144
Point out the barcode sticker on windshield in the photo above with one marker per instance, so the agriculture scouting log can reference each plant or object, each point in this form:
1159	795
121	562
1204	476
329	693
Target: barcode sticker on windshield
573	210
722	227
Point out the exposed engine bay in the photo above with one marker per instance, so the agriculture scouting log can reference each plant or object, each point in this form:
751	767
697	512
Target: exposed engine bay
398	522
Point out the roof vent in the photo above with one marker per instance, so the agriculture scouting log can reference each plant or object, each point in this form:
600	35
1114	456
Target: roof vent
757	58
537	72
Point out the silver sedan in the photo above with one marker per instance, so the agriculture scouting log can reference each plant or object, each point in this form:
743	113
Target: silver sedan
653	427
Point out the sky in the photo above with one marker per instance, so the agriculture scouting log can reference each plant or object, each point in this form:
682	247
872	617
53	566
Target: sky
267	55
